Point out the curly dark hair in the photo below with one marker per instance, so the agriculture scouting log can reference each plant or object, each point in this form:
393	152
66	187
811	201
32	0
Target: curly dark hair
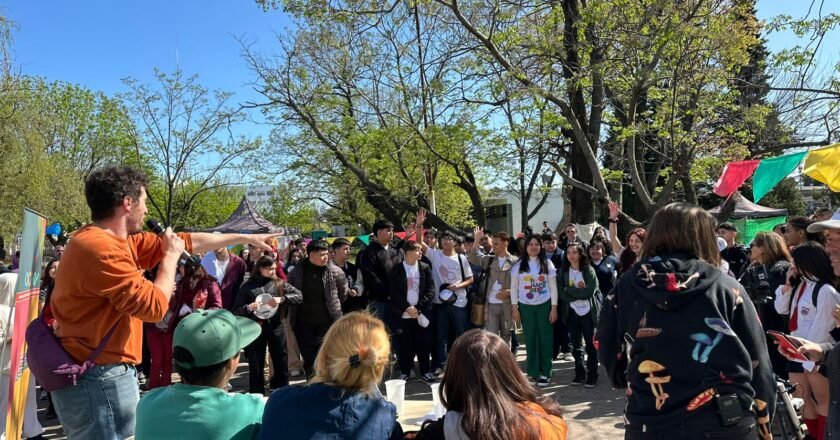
106	188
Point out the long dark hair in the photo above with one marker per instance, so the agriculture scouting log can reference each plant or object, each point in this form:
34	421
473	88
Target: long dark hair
292	253
491	403
264	261
48	282
514	245
800	223
812	260
683	228
524	267
583	256
628	258
195	271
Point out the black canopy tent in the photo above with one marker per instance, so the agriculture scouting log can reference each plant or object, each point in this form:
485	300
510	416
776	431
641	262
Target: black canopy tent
244	220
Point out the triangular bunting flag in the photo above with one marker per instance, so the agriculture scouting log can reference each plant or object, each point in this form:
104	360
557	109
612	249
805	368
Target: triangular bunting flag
330	240
364	239
733	176
771	171
823	165
400	235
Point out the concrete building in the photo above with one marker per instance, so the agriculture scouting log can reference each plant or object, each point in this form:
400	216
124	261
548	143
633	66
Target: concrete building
504	211
260	195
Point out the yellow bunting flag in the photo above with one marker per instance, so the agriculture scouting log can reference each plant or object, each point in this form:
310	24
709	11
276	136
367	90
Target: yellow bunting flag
823	165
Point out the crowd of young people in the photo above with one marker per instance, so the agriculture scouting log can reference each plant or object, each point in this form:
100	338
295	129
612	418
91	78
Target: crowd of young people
664	312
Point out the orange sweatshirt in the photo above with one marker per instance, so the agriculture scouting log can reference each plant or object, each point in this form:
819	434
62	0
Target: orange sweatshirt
100	282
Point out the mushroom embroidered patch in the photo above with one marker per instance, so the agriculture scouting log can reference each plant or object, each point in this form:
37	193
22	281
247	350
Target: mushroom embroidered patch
656	382
704	343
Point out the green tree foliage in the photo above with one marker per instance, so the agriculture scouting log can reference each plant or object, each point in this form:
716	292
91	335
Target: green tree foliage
639	86
785	195
183	135
284	209
53	135
209	208
378	109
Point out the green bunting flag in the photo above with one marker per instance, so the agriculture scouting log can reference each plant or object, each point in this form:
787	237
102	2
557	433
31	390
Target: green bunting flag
772	171
364	239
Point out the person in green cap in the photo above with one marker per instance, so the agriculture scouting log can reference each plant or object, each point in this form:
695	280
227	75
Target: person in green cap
206	350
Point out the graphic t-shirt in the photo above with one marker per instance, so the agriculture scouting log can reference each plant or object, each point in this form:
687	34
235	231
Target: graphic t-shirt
447	270
412	278
533	286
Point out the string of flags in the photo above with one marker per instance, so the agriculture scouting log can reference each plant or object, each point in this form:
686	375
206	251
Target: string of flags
363	238
822	165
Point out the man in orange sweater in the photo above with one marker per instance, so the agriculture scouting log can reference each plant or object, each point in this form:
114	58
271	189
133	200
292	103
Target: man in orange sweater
101	286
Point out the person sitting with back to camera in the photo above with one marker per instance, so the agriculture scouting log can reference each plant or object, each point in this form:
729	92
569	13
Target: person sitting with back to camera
342	399
207	345
500	398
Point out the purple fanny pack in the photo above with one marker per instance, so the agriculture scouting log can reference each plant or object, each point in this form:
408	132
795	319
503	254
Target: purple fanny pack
50	362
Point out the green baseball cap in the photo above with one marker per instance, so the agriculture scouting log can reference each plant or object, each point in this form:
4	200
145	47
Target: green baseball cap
213	336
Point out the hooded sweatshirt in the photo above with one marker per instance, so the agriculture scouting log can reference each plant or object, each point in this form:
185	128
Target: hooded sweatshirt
676	331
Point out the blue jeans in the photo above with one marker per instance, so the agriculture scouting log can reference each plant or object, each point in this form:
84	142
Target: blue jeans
447	318
102	404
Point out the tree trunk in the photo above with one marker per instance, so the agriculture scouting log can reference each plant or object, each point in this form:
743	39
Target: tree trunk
581	201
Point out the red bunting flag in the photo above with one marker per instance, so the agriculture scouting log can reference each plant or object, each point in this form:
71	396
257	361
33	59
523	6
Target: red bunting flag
734	175
400	235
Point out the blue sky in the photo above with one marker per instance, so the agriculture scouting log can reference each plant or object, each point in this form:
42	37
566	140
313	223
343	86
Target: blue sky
97	43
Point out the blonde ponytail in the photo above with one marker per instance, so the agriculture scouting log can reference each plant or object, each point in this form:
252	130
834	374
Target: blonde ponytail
354	354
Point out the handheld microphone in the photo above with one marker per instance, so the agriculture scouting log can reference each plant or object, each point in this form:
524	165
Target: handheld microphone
158	229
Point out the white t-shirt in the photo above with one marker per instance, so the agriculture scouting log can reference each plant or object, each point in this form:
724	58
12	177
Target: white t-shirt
446	270
214	267
221	268
532	287
412	277
581	306
497	284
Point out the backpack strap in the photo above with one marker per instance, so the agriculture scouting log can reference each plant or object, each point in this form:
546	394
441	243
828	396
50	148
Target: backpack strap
104	341
816	293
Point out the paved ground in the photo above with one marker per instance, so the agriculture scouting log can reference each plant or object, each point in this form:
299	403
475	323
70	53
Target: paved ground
590	413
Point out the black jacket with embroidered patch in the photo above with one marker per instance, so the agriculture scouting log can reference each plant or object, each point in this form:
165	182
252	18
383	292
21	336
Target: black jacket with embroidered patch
688	329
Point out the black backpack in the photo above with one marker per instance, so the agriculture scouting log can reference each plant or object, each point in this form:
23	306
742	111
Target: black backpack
814	294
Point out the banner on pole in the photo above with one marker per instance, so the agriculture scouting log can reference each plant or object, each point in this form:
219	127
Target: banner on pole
25	310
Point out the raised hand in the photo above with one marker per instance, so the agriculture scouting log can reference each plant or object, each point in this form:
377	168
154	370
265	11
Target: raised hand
420	218
613	209
478	233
